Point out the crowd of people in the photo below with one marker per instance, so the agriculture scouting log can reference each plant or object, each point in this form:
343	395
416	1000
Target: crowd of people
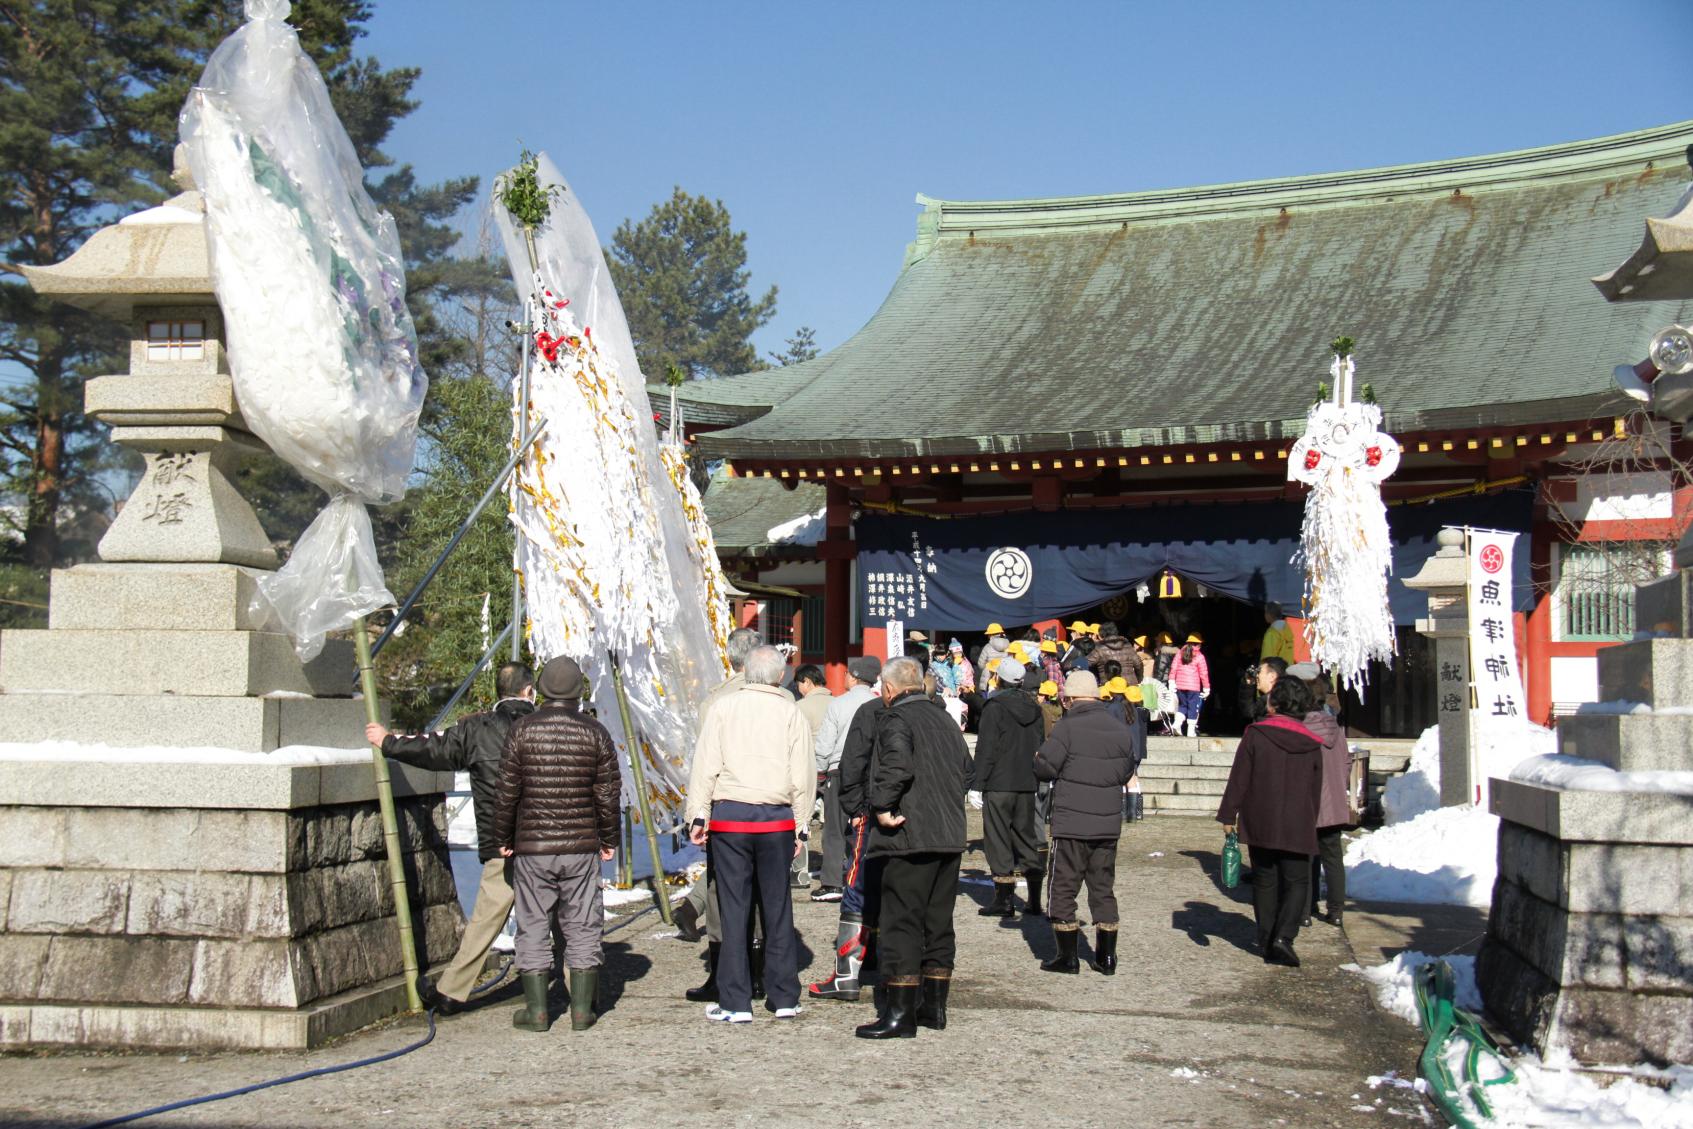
1061	732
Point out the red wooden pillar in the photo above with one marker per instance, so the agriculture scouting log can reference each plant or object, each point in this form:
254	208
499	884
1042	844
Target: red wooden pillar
1537	665
838	552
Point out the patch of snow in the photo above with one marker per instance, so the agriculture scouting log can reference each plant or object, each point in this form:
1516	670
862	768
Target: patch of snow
1394	983
461	822
1576	774
1184	1072
1156	855
1615	707
1417	790
807	529
1446	856
164	213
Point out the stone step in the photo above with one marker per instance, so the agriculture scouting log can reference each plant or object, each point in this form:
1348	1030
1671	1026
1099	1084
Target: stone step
207	663
1658	672
1629	742
1150	771
255	725
1199	758
1181	804
1168	787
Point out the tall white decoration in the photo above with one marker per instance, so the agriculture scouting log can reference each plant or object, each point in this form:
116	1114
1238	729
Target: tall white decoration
1344	545
308	272
613	546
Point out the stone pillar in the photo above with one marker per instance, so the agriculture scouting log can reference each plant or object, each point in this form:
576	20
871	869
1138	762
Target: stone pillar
1444	577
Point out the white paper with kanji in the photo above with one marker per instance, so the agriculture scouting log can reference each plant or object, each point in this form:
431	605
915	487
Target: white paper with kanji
1500	707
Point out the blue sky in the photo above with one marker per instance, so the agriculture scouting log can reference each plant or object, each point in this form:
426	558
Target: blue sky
816	123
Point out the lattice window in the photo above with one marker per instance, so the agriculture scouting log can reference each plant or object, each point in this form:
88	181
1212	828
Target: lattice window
176	340
1595	593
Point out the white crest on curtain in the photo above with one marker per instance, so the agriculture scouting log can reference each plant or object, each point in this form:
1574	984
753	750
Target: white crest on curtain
613	546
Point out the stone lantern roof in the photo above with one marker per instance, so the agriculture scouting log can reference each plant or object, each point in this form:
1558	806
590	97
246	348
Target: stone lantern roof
1662	267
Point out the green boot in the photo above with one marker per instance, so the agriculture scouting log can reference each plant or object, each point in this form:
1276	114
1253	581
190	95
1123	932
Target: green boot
584	991
532	1016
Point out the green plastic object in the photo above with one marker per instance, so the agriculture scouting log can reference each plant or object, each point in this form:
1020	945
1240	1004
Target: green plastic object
1444	1021
1231	861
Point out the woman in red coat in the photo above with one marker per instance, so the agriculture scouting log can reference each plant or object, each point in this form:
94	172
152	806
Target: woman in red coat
1272	798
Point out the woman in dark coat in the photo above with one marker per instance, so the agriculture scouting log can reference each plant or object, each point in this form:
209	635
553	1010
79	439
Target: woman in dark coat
1272	798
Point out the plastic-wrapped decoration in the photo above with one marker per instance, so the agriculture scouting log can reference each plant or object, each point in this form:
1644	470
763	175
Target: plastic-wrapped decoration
309	275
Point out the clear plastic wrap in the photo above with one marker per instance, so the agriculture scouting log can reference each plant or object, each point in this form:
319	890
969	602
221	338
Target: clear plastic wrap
309	274
613	546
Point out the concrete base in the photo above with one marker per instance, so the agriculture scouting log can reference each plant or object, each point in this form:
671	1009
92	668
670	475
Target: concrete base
1658	672
255	725
202	663
1646	742
154	597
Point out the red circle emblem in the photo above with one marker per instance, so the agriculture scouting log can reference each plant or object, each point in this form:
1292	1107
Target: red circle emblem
1492	559
1312	458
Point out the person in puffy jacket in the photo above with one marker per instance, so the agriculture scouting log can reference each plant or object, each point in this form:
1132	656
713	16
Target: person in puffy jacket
1334	814
473	745
555	815
1089	757
1012	729
1190	676
954	676
1114	647
1272	799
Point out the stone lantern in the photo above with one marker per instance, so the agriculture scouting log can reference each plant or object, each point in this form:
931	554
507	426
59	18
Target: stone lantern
1444	577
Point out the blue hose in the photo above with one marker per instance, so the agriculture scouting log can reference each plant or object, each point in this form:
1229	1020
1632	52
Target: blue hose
302	1075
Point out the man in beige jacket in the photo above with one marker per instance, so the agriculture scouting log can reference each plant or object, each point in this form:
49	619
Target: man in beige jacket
751	791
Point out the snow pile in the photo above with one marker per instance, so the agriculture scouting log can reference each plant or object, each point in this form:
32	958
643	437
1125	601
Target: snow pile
1445	856
1622	706
807	529
1418	790
1579	775
1394	983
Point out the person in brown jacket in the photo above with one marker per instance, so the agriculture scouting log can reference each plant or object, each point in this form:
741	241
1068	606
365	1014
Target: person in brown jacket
555	815
1272	798
1334	814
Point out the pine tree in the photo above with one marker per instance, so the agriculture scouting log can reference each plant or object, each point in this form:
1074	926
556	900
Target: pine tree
682	276
802	346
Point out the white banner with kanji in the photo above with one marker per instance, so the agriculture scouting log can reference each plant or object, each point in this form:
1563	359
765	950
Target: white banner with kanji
1500	706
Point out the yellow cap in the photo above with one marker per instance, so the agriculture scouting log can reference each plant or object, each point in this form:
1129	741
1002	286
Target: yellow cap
1093	629
1049	689
1048	647
1016	652
1140	640
1194	638
1134	695
1078	628
1164	637
1118	685
1105	694
995	629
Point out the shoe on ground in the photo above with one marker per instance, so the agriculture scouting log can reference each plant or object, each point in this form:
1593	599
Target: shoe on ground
1305	923
826	894
788	1012
799	882
834	988
717	1014
1333	919
1281	952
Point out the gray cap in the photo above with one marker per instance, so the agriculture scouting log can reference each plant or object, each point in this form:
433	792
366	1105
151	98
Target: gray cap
560	680
865	668
1010	672
1303	671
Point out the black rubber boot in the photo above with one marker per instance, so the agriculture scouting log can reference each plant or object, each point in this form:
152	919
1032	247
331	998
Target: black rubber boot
1032	905
584	991
756	959
532	1016
707	993
688	922
1281	952
1105	951
849	954
1140	805
1002	905
871	962
899	1021
1065	961
931	1011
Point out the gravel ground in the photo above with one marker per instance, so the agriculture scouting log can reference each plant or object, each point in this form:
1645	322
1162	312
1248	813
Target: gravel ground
1193	1031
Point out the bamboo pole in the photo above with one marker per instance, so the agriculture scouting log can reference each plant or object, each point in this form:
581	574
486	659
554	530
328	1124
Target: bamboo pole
661	895
521	428
390	825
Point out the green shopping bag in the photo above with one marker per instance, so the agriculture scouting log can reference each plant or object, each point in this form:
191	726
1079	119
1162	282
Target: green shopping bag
1231	860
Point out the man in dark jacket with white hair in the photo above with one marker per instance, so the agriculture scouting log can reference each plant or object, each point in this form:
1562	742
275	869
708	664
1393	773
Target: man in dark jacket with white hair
1012	729
1089	756
921	772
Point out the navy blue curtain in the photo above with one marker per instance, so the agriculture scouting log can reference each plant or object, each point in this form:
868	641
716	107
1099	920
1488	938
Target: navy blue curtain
1018	568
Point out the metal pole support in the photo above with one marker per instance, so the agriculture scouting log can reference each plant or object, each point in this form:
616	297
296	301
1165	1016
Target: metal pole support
390	824
660	894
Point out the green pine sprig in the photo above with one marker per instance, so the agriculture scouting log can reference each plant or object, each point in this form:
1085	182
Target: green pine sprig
519	191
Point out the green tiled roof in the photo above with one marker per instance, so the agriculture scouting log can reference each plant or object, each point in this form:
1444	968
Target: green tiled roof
1203	315
742	511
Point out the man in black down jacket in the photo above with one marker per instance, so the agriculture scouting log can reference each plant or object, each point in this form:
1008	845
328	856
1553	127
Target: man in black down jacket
473	745
921	771
556	812
1012	729
1090	755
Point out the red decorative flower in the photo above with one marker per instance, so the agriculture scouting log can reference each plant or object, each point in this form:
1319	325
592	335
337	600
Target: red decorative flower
1373	456
1312	458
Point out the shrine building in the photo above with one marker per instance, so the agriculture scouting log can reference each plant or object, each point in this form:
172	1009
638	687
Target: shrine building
1081	407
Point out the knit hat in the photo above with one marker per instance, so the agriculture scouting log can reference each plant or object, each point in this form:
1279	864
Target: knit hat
1049	689
1010	672
560	680
955	645
1048	647
1081	684
865	668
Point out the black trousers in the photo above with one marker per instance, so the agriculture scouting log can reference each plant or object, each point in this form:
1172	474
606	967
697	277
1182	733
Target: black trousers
1008	833
749	866
835	832
918	892
1075	861
1331	857
1281	888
